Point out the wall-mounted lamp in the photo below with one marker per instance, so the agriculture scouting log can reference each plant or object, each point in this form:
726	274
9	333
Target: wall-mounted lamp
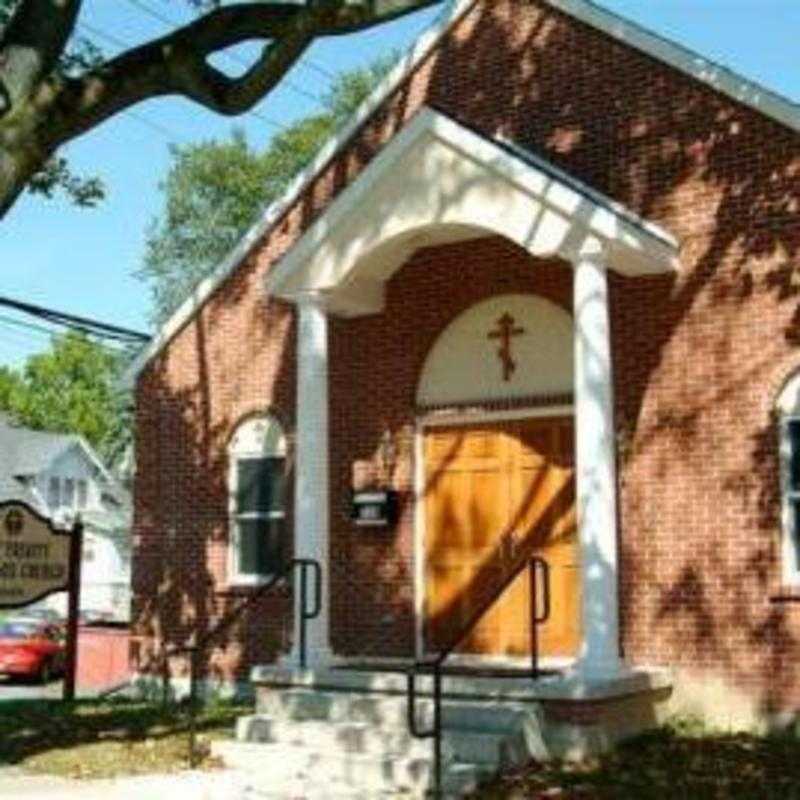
387	453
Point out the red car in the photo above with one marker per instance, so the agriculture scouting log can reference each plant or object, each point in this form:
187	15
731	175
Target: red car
31	649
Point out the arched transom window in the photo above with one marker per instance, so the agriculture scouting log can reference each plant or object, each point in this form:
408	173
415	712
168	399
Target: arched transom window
789	419
257	484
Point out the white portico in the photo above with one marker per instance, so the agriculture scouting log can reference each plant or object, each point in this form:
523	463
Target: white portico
438	182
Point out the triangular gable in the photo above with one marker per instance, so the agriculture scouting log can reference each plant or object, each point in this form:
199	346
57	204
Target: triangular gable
436	181
680	58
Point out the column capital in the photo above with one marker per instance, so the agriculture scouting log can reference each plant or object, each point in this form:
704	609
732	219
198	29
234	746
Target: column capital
311	298
594	252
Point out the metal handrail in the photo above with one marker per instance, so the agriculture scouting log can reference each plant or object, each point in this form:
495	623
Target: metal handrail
435	665
195	649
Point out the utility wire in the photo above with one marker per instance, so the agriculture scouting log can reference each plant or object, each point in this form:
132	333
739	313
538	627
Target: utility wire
26	331
28	326
117	42
72	321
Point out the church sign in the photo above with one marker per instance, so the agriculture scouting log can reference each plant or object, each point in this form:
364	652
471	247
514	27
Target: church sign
34	556
37	560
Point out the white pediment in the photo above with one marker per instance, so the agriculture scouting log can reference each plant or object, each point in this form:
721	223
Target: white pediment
438	181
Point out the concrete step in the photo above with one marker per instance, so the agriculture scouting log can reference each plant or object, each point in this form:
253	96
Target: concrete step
344	737
490	749
383	711
279	765
392	709
291	773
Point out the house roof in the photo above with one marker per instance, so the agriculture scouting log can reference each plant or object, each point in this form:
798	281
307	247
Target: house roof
21	453
25	452
671	53
13	489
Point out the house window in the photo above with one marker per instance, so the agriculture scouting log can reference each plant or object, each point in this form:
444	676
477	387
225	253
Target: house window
257	500
789	413
69	492
54	493
82	494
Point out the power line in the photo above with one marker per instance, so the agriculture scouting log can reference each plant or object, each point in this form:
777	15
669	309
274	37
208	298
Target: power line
117	42
17	333
85	325
18	323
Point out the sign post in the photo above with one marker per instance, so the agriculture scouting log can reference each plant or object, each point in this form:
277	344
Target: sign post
74	607
37	560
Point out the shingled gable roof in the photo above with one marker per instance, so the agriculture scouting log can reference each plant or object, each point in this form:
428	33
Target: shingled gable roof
671	53
25	452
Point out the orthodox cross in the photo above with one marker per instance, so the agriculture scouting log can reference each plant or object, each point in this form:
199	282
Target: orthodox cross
506	331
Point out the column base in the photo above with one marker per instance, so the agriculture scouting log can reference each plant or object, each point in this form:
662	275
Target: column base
316	659
598	671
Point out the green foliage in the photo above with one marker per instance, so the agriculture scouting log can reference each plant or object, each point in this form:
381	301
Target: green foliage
6	7
215	189
70	388
57	175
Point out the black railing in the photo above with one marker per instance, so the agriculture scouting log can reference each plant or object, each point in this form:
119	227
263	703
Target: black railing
197	649
435	666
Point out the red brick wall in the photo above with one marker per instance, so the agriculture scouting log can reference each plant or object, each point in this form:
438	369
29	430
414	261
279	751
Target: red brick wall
699	356
375	365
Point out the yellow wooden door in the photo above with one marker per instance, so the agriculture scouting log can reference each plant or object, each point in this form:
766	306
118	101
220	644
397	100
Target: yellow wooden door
496	494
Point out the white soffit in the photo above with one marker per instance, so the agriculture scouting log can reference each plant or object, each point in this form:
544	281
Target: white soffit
437	175
675	55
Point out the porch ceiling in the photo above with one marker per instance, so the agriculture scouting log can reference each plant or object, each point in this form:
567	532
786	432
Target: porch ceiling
438	182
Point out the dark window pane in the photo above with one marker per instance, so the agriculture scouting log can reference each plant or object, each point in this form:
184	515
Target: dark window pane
260	546
794	457
794	522
260	486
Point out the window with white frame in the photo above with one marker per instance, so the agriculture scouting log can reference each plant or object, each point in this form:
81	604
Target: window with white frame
83	493
54	493
257	500
69	492
789	425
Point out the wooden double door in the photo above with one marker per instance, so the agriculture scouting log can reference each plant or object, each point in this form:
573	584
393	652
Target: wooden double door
495	495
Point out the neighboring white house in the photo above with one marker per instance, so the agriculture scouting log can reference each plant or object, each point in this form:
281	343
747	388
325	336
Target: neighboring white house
61	476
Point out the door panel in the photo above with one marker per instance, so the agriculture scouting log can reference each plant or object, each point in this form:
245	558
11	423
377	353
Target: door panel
495	494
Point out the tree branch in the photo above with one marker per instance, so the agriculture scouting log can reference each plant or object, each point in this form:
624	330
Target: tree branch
31	45
178	63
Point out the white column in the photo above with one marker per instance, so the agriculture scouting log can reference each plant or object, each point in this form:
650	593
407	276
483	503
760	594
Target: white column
312	488
596	481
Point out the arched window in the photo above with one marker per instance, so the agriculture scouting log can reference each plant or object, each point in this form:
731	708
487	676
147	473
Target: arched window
789	420
257	485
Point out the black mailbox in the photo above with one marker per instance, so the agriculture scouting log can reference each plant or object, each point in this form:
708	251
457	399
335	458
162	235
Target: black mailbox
375	508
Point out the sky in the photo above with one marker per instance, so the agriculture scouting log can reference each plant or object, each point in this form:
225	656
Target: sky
84	261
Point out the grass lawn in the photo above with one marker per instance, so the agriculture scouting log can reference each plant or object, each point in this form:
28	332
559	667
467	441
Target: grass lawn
679	763
101	739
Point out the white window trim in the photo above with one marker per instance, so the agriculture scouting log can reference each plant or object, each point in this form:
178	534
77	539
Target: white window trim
788	407
54	492
81	482
790	551
247	444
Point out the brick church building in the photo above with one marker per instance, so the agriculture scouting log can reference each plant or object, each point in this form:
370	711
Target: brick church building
539	299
